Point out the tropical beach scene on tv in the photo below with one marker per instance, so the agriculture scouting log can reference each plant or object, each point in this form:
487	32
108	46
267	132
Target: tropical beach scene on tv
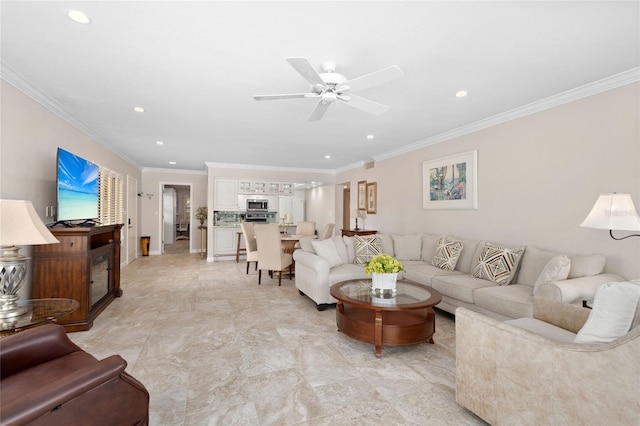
77	187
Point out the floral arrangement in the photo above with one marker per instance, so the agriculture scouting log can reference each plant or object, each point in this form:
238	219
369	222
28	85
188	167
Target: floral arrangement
383	264
201	213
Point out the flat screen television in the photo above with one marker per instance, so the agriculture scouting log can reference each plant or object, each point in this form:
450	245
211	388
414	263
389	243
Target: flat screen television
77	186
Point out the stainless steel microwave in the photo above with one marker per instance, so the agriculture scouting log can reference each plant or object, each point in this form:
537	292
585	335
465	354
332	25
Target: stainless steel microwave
257	205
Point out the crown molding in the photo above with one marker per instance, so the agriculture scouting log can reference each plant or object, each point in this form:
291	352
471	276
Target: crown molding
590	89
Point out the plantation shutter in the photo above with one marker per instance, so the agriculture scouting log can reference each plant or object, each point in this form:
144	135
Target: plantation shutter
110	203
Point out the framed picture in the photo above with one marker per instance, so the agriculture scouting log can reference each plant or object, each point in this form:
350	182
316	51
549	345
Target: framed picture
372	197
451	182
362	195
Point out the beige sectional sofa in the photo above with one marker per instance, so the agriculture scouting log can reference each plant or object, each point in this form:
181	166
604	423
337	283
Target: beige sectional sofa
459	287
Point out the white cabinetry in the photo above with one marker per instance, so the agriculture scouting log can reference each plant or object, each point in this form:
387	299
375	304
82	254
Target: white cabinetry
225	240
225	194
262	187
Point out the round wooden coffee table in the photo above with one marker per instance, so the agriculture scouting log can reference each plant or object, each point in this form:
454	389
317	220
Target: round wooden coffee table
406	319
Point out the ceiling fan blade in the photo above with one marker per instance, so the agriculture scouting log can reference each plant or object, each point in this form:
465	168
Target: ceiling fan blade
307	71
319	111
366	105
286	96
382	76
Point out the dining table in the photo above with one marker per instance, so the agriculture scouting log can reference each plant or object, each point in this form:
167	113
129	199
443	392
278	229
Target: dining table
289	241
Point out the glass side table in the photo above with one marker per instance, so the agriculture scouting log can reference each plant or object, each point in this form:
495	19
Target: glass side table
39	311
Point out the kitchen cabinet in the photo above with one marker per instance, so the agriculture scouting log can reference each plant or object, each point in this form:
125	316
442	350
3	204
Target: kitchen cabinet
225	240
225	194
262	187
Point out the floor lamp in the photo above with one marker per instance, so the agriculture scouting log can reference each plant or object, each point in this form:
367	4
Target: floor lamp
614	212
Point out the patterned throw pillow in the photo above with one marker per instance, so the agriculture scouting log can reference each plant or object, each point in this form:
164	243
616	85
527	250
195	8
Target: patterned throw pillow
498	264
447	253
367	247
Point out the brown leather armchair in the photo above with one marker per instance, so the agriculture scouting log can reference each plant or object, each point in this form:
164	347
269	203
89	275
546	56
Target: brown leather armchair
45	379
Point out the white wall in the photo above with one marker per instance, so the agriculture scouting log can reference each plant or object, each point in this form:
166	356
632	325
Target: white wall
320	206
538	177
29	138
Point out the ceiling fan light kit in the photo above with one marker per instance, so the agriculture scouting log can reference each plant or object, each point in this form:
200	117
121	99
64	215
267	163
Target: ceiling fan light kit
330	86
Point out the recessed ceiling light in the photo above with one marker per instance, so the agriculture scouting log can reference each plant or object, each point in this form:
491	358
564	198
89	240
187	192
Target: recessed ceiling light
79	17
138	109
461	94
172	163
159	143
370	137
327	156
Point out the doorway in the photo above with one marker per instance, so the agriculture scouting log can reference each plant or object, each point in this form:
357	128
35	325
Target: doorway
346	206
131	227
176	218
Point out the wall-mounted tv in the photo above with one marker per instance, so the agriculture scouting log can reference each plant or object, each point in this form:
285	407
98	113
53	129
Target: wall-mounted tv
77	188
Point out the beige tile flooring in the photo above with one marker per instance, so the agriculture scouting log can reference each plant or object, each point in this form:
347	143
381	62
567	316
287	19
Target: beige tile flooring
214	348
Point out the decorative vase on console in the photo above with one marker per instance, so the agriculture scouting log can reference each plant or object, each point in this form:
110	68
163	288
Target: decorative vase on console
384	271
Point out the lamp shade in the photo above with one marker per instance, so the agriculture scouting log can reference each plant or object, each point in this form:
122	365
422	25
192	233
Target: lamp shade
613	212
355	213
20	225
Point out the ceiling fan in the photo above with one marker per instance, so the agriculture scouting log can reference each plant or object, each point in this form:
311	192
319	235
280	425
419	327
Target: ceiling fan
330	86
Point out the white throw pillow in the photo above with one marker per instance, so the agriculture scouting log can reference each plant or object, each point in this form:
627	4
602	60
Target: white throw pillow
326	249
556	269
305	244
614	307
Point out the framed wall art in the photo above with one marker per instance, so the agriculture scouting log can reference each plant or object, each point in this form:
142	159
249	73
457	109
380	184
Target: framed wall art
372	197
451	182
362	195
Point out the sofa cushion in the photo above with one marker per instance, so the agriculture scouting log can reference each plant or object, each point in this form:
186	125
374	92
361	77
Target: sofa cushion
556	269
423	272
543	328
498	264
471	250
532	263
366	247
407	247
386	244
350	244
341	248
305	244
347	271
460	287
447	253
614	308
586	265
429	243
326	249
515	301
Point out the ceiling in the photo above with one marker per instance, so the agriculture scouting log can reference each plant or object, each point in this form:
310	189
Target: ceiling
194	67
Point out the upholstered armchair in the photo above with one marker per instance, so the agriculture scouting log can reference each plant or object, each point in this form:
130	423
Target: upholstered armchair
536	375
250	243
47	380
270	255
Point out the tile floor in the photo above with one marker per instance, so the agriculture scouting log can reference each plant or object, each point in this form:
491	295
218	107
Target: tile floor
214	348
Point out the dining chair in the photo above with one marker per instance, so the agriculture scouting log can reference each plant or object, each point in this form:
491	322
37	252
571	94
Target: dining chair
327	232
306	228
250	243
270	255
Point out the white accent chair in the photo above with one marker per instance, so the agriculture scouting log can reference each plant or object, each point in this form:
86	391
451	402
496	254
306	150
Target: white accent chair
327	232
270	255
250	243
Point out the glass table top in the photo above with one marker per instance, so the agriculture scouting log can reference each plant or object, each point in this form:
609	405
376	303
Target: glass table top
407	293
39	311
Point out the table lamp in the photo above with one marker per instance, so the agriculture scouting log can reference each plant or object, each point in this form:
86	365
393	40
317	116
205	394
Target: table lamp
614	212
19	225
355	214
